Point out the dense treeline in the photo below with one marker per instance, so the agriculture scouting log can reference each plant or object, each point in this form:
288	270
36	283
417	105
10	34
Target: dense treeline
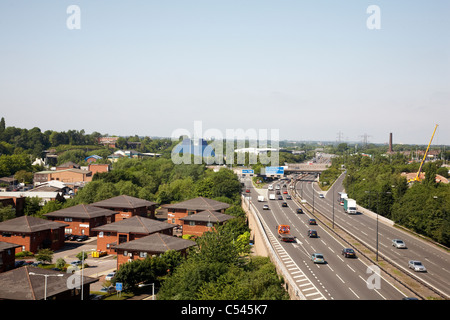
377	184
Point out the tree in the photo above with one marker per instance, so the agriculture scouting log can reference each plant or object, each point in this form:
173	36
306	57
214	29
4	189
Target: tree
44	255
2	125
7	212
60	263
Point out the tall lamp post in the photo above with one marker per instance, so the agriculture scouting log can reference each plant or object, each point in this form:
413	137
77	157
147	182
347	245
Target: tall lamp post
378	202
45	283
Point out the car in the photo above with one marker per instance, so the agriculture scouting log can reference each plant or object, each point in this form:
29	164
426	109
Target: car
399	244
278	192
68	236
284	192
109	289
73	237
19	263
247	190
76	263
284	204
299	210
312	221
321	195
317	258
110	275
348	253
277	187
266	207
82	238
280	197
270	187
288	197
312	233
416	266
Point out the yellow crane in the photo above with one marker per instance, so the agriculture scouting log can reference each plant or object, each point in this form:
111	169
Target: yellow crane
417	178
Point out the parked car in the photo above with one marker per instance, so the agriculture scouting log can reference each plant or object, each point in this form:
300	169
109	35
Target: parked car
109	289
76	263
68	236
312	221
82	238
399	244
317	258
416	266
312	233
266	207
348	253
110	275
299	210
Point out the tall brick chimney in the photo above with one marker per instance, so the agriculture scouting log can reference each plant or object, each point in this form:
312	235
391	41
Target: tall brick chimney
390	143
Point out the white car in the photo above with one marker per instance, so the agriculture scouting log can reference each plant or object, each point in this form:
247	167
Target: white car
399	244
321	195
317	258
110	275
416	266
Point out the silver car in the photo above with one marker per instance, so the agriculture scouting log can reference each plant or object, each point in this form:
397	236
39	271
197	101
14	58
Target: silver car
416	266
399	244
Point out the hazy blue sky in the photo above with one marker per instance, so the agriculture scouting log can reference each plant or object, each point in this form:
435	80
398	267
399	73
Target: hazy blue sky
308	68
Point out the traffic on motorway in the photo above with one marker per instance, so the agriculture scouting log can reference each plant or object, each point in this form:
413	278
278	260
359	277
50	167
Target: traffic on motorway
331	267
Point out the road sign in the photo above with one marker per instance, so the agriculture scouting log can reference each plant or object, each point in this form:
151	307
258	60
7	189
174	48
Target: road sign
274	171
118	286
247	171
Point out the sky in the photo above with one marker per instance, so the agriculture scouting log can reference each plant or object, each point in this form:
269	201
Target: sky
309	69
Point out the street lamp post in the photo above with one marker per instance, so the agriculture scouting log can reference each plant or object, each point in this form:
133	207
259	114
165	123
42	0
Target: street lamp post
45	281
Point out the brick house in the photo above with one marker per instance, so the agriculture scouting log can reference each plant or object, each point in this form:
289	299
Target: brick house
81	219
176	211
7	255
33	234
197	224
147	246
127	207
99	167
70	175
30	283
111	235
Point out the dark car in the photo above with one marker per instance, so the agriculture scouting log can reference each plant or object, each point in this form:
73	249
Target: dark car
348	253
312	233
299	210
312	221
68	237
82	238
280	198
284	204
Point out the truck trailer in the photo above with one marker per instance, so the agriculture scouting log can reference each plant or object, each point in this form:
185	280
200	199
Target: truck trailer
350	206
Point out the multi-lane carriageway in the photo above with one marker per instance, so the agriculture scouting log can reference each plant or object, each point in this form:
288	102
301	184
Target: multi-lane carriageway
340	278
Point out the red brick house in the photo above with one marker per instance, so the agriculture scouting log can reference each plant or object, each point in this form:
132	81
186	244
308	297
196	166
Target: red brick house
31	283
82	218
7	255
197	224
176	211
127	207
111	235
147	246
32	234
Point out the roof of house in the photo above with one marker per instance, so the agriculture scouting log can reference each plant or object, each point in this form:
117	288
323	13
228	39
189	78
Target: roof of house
19	284
198	204
136	224
157	243
82	211
74	170
28	224
69	164
208	216
124	201
6	245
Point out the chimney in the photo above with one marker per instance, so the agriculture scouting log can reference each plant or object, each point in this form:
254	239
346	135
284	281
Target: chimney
390	143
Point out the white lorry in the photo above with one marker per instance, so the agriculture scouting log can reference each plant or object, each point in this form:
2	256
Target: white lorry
272	196
260	198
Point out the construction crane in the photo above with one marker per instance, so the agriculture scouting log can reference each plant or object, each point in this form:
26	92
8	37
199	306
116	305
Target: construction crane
417	177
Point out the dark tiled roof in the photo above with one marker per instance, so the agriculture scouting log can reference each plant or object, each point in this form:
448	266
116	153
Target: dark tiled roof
198	204
82	211
157	243
6	245
208	216
136	224
18	284
29	224
124	201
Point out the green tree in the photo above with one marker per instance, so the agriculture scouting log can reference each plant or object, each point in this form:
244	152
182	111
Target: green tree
44	256
60	263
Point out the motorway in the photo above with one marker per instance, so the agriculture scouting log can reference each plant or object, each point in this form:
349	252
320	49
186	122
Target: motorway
339	278
363	227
